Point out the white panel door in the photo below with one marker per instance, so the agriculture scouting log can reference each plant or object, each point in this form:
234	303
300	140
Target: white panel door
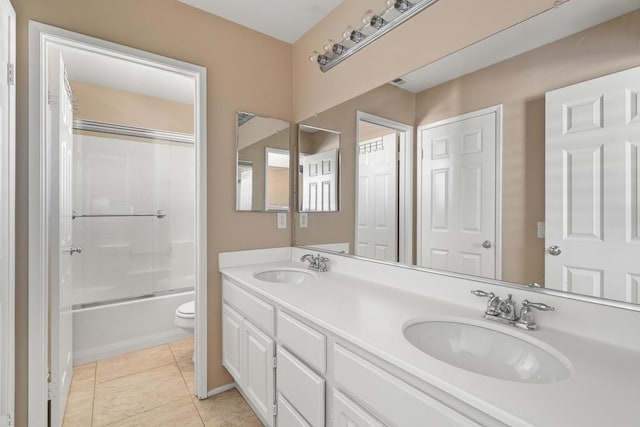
60	127
458	195
7	207
259	385
232	344
320	182
593	187
378	199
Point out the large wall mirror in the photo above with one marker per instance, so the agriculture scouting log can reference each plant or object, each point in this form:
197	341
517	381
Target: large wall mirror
263	163
525	161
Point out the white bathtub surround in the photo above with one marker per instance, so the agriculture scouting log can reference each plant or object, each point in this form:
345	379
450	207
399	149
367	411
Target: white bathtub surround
126	257
112	329
362	307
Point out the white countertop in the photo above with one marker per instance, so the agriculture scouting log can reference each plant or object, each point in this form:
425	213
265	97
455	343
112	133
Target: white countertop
603	390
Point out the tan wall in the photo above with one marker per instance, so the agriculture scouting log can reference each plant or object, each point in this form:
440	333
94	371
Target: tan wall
442	29
519	84
386	101
109	105
255	75
279	184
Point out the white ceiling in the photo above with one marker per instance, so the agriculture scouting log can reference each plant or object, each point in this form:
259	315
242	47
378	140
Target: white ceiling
286	20
115	73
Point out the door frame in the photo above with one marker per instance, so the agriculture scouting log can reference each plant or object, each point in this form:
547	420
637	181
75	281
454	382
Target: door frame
405	183
40	36
497	109
8	208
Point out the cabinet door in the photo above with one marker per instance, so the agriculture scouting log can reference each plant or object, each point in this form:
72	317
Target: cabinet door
346	413
232	344
259	371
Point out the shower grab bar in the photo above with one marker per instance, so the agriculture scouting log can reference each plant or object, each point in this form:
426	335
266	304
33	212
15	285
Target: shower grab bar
159	214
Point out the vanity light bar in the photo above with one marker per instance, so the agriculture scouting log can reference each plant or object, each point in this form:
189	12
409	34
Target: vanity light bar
375	26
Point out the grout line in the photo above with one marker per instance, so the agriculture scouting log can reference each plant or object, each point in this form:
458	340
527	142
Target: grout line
93	398
133	373
197	410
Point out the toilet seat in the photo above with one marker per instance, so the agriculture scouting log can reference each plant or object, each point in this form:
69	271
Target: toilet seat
186	310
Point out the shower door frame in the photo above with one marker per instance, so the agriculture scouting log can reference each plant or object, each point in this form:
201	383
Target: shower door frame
40	35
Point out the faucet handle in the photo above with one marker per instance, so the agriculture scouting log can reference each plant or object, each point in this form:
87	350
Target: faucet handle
537	305
322	263
480	293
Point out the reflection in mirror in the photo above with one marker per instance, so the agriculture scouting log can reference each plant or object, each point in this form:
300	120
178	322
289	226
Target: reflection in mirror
526	161
318	174
263	163
383	208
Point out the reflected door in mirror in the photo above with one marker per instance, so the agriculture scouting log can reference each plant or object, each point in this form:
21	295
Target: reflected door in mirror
377	228
318	174
592	187
457	224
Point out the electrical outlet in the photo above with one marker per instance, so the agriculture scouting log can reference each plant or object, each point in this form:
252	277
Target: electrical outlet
304	220
282	220
541	230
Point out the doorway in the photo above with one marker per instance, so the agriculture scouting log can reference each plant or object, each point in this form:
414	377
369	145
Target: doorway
383	189
117	187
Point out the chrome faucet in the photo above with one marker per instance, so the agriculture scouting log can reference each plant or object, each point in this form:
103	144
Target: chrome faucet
504	310
316	263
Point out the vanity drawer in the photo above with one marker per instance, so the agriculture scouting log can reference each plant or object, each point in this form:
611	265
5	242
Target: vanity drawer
258	311
303	388
303	341
347	413
288	416
395	400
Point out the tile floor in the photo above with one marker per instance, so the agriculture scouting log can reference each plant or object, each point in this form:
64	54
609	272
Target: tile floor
150	387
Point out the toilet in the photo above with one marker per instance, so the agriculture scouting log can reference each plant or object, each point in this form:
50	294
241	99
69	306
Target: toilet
184	318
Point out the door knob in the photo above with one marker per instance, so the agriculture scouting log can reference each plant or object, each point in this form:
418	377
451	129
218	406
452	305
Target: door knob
487	244
554	250
75	250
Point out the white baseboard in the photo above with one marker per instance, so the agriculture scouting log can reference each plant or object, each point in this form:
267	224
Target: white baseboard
221	389
113	349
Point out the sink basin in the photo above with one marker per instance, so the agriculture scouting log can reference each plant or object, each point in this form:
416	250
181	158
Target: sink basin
487	351
283	275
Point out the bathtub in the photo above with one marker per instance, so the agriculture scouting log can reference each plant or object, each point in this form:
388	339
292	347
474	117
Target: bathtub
116	328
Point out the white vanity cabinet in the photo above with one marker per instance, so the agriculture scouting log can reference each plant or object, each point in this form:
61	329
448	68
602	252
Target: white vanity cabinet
397	401
282	365
248	352
303	388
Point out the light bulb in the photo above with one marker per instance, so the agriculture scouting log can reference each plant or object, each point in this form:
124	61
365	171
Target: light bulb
347	32
366	18
328	46
314	56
